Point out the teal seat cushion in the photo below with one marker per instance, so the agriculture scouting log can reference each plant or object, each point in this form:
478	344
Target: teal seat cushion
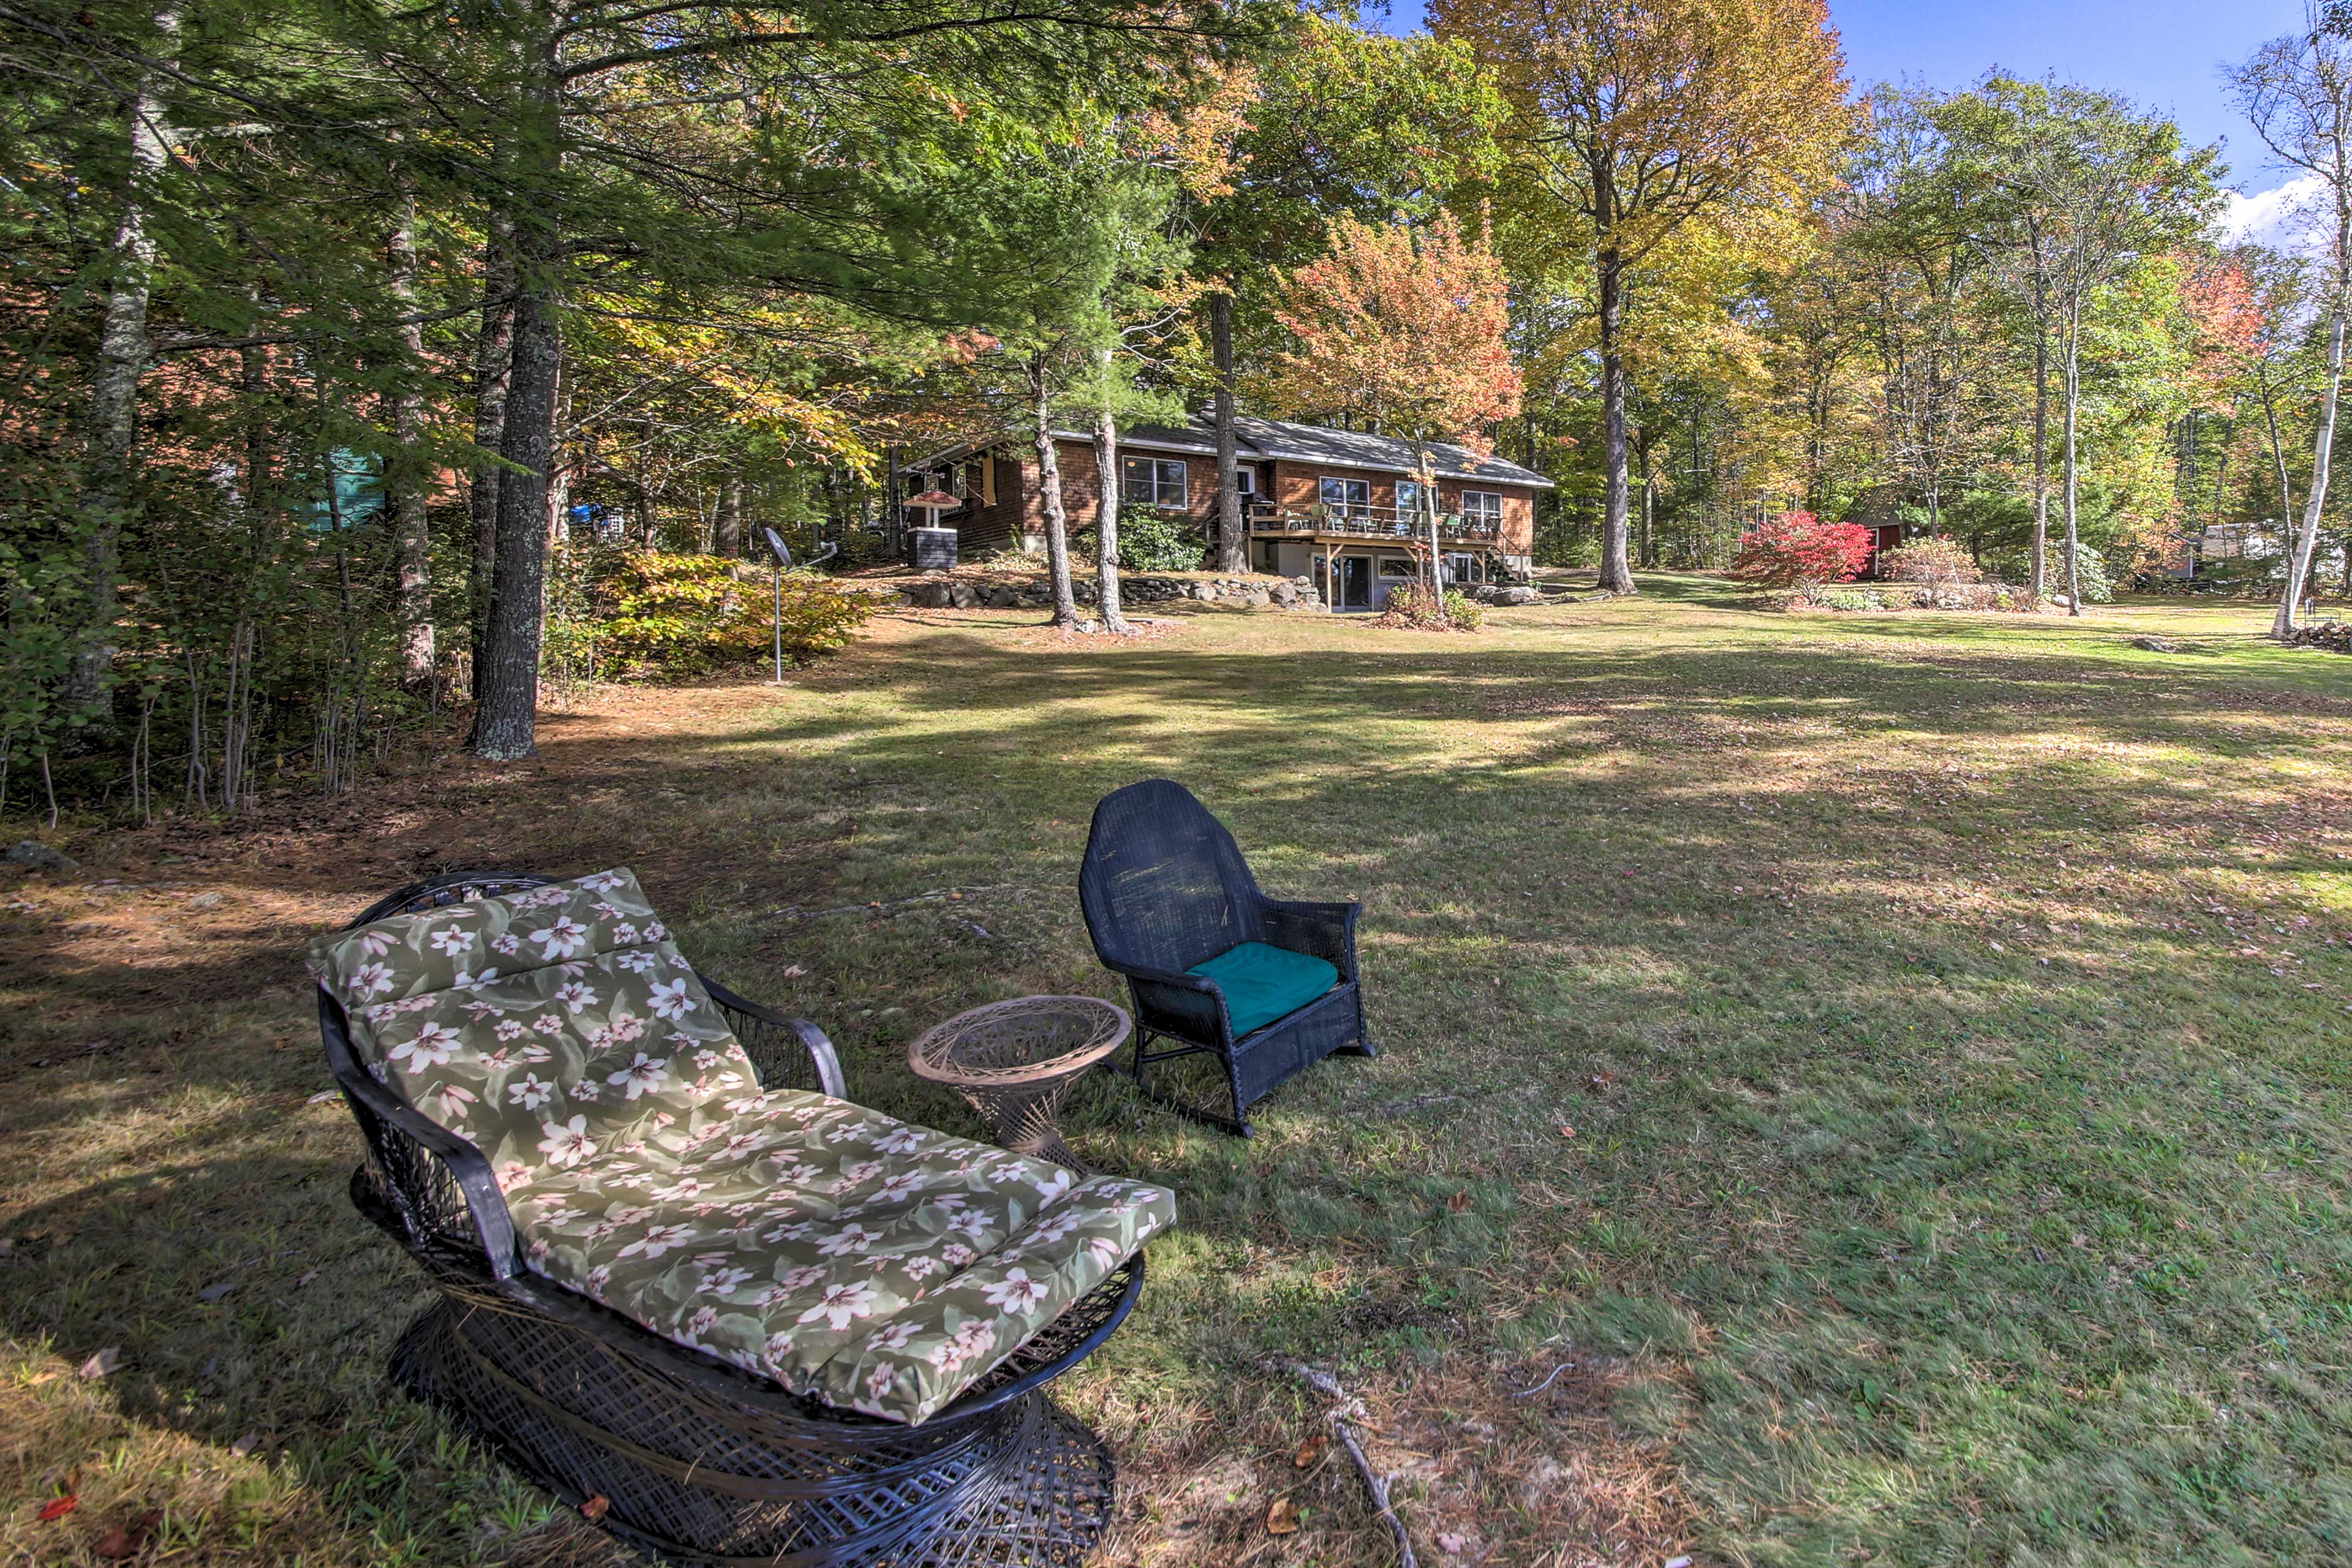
1261	983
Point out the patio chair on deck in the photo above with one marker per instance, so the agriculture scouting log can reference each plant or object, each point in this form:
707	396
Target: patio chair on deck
679	1271
1266	986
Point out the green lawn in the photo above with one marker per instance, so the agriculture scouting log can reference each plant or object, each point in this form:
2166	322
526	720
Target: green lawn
1902	1063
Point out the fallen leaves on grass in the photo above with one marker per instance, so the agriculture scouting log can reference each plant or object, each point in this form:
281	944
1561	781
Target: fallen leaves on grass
130	1538
1282	1519
1310	1450
98	1365
595	1507
58	1507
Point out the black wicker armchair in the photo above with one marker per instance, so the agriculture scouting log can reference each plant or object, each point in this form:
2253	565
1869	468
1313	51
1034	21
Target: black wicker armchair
698	1462
1166	894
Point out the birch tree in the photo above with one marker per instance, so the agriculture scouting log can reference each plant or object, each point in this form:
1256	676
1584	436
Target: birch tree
122	357
2113	186
2297	91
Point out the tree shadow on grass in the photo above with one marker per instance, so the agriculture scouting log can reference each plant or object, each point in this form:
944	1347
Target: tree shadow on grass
1852	1170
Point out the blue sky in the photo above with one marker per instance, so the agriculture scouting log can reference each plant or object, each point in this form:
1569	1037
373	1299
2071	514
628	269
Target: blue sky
2159	52
2163	53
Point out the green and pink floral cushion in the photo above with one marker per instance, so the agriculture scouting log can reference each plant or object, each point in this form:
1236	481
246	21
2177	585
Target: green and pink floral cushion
873	1264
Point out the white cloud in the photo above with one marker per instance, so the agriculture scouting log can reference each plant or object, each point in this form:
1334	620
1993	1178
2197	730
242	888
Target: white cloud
2279	218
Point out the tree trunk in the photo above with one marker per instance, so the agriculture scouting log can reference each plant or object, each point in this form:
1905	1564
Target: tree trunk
2278	456
253	392
2299	564
411	540
493	352
507	682
1649	505
1616	571
123	356
2038	554
727	533
1232	536
1049	491
2073	402
2188	476
1436	561
1107	509
641	501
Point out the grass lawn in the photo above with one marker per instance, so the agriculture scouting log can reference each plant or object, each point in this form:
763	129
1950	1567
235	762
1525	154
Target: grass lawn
1889	1073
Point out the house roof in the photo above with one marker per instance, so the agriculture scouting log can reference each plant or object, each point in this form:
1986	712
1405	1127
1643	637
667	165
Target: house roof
1257	439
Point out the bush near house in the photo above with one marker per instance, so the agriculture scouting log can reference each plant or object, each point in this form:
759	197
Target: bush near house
1151	540
1798	547
647	612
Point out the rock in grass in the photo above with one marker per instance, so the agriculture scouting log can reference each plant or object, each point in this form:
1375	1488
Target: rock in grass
2157	645
32	855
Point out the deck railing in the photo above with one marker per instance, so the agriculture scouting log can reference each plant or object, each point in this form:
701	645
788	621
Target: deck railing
1368	522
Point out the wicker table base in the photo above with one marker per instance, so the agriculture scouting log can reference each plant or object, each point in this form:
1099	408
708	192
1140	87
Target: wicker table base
1015	1060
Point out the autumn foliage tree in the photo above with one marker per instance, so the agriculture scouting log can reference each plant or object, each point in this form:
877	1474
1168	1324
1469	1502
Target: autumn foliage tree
1400	331
1797	547
1634	120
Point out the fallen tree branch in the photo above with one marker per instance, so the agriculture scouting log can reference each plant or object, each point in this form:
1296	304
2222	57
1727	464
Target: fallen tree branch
1324	1383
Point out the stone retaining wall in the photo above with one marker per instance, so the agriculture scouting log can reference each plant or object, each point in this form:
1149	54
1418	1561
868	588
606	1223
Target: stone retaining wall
1037	593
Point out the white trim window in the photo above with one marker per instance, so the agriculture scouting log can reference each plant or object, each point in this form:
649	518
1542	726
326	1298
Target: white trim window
1151	481
1483	509
1345	497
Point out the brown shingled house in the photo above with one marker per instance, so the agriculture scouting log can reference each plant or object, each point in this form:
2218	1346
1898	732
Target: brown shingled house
1336	506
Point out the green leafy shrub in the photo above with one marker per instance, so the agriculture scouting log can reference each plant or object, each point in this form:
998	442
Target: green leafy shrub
2098	585
2091	567
655	613
1151	540
1825	596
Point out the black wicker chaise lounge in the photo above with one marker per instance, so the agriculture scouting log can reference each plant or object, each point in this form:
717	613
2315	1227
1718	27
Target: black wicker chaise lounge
1265	987
763	1324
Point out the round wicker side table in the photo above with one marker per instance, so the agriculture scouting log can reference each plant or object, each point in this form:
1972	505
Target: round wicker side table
1015	1060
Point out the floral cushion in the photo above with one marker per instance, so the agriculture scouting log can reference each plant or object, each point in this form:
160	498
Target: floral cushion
870	1263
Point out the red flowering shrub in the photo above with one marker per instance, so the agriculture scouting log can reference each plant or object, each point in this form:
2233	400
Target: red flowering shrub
1797	547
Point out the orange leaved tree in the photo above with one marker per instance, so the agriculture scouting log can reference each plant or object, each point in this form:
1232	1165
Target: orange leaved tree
1399	331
